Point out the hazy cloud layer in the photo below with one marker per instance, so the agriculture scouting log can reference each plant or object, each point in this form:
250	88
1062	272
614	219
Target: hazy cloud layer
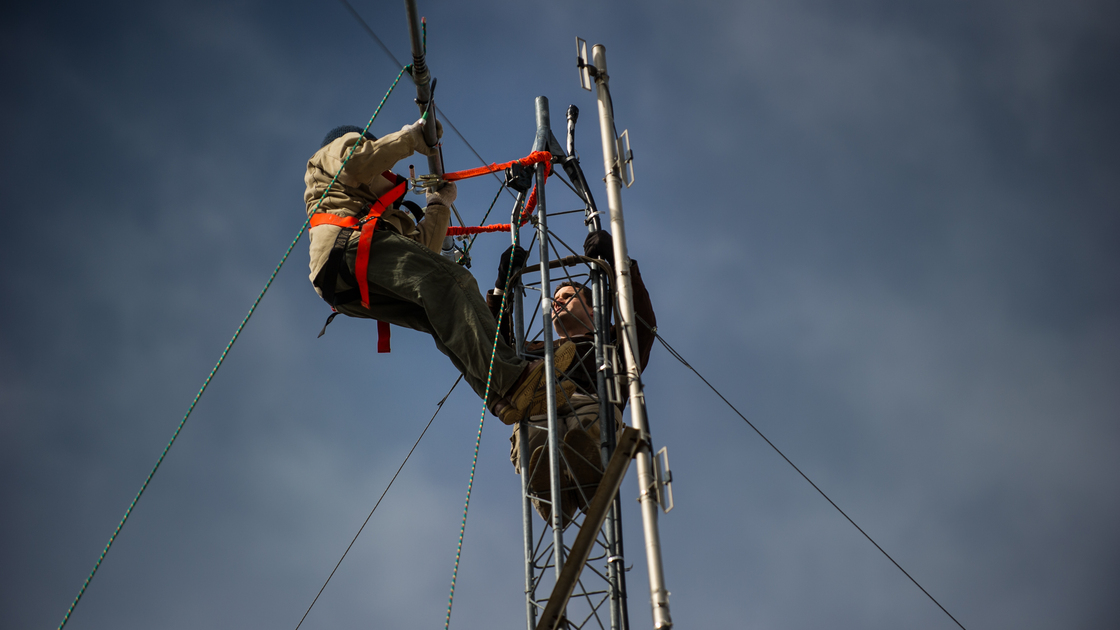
887	232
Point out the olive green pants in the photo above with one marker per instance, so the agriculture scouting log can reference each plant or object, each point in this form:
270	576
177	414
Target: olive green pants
413	287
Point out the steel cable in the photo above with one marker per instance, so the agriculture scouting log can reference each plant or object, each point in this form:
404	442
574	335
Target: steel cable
678	357
439	406
478	442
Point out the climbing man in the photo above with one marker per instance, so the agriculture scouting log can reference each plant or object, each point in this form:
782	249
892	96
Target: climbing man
578	411
370	259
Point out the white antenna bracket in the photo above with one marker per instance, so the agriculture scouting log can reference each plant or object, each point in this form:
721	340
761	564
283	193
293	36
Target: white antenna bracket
663	479
625	159
585	69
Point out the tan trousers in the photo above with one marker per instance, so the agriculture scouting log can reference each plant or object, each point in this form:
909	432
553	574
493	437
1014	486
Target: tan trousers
580	411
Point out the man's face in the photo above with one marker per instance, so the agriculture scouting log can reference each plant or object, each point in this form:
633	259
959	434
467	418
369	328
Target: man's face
571	310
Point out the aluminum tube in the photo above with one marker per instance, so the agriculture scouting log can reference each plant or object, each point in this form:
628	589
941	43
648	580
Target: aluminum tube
607	441
518	327
541	144
659	595
423	79
527	527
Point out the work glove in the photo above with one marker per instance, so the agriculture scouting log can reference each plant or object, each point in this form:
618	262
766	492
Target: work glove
444	196
416	132
519	258
598	245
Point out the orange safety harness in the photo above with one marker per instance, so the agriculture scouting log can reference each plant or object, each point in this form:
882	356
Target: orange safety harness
336	268
336	263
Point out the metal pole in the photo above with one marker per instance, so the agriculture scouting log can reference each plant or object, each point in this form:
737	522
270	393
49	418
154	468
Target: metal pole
600	308
615	559
423	79
513	291
541	144
575	172
659	595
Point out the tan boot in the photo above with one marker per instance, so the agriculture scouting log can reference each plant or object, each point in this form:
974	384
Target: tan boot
528	396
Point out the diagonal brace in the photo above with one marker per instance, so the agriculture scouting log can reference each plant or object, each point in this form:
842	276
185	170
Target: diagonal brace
596	513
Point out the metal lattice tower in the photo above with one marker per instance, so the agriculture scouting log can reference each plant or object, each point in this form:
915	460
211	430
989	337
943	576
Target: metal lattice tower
574	567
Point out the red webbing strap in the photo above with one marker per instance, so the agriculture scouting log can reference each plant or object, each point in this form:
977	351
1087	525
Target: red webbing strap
361	264
382	336
326	218
532	158
463	231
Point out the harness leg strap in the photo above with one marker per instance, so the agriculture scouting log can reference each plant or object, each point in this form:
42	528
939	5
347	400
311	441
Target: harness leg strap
382	336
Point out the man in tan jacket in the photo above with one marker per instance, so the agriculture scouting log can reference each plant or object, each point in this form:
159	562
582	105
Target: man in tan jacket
406	282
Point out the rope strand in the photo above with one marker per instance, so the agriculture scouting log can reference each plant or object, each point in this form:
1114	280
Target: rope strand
439	406
221	359
477	442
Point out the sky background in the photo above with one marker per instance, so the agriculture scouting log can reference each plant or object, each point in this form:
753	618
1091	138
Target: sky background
888	232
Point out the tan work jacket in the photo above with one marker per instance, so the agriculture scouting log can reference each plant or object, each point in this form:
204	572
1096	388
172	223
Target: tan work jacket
361	184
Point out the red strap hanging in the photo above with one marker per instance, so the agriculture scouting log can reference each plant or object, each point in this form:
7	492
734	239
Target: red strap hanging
369	225
382	336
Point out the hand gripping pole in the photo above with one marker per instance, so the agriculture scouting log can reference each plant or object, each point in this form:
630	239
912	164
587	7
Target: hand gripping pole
423	79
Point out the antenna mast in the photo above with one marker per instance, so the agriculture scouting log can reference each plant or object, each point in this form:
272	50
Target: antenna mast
423	79
648	483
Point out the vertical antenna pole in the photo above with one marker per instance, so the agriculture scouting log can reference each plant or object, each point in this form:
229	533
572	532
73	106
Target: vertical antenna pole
513	289
554	437
601	309
423	79
659	595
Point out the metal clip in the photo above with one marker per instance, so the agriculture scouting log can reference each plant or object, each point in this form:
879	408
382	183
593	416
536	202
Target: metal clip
625	159
424	183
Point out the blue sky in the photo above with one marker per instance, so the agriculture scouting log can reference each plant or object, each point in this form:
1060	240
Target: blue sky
888	232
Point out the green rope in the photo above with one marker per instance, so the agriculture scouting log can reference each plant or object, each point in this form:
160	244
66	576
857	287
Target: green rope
221	359
478	441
